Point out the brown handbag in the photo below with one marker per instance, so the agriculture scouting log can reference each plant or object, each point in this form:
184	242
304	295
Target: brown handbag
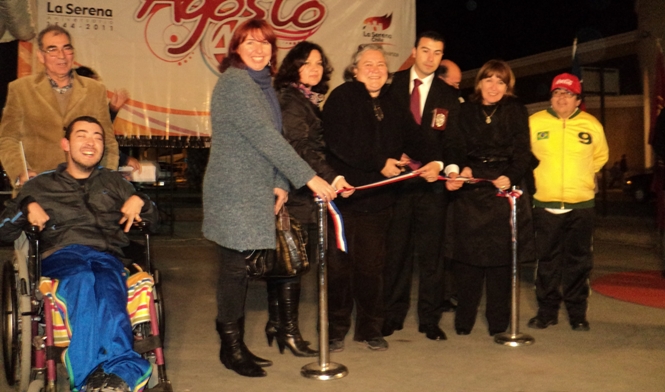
290	256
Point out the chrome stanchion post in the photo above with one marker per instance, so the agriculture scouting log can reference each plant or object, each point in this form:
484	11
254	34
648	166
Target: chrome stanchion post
514	338
324	369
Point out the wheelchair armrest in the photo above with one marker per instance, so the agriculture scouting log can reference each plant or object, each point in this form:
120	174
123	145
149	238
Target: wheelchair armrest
141	227
32	232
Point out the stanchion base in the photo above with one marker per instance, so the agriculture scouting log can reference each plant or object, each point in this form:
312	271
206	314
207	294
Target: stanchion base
519	339
329	372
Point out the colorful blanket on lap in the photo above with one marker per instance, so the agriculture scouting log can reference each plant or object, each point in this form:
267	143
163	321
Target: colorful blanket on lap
139	292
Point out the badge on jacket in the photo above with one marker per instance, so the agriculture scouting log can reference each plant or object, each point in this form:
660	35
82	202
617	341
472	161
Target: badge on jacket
439	119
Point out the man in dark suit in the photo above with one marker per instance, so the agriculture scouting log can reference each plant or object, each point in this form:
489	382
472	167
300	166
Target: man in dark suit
416	230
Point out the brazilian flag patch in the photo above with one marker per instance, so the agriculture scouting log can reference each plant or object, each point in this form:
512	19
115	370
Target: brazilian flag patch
543	135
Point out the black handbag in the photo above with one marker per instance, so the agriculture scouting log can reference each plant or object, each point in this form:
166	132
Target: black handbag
290	256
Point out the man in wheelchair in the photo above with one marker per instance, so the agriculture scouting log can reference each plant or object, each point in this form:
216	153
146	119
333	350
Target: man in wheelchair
83	212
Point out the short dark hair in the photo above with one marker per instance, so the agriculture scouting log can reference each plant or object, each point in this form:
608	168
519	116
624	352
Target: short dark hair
431	34
57	30
289	71
86	71
442	71
89	119
239	36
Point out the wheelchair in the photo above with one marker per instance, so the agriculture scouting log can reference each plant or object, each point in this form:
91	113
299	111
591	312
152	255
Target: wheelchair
31	339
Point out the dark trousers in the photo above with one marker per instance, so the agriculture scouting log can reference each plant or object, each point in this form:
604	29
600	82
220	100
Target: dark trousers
415	237
231	285
498	283
357	276
565	260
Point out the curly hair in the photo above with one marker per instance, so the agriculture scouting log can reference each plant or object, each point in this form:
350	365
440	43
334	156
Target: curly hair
289	71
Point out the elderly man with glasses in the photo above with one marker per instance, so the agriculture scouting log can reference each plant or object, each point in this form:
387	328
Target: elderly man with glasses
39	106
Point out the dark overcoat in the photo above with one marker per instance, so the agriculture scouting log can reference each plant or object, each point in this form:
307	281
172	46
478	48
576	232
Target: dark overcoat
478	230
361	133
303	129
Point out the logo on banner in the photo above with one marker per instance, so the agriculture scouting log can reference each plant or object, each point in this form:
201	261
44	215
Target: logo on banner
79	16
375	25
174	29
377	30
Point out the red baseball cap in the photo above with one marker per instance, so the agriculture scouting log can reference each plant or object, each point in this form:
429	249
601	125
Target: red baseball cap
568	82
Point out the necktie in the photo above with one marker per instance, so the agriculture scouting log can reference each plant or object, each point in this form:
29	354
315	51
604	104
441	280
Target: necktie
415	100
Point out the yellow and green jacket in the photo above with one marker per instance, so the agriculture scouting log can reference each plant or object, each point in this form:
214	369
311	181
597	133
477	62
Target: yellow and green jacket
570	152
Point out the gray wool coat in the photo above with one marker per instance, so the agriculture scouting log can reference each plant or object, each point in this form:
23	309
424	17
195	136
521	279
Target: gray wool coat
248	159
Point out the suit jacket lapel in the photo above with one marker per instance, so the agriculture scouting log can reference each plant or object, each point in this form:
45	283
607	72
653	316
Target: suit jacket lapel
45	91
79	92
401	84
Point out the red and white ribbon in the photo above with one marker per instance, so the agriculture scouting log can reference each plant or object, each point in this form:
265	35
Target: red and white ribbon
338	222
512	195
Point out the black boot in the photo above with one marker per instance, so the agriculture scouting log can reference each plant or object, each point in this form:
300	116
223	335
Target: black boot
273	312
288	333
257	360
232	354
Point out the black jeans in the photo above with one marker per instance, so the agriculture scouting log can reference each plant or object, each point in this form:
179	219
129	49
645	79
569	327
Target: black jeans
565	260
498	283
231	285
357	276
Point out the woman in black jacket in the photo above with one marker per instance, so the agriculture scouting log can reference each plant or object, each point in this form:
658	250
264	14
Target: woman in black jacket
301	83
366	132
495	127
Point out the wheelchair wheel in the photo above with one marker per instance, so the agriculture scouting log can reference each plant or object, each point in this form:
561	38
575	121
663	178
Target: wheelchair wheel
158	297
16	327
10	323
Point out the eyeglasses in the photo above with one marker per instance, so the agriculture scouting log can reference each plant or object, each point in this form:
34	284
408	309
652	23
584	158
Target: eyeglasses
560	92
53	51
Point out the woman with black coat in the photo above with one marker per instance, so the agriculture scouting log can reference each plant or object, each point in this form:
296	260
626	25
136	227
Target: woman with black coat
301	83
495	127
366	132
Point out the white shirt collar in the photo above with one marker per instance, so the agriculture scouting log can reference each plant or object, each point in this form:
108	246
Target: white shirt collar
427	81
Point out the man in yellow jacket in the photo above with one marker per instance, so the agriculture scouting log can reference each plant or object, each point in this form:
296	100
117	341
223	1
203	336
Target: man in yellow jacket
571	147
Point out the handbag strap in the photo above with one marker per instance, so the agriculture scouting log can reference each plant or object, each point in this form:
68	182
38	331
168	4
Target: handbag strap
283	221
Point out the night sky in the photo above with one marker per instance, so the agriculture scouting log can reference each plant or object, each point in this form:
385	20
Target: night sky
480	30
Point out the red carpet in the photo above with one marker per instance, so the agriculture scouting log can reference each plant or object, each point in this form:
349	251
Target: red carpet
640	287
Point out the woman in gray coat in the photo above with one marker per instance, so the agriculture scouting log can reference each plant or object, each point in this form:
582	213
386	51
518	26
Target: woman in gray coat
247	179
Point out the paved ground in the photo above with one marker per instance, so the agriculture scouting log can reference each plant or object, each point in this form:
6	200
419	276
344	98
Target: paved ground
624	351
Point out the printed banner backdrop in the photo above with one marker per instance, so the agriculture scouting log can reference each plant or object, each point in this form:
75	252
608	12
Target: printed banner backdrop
165	53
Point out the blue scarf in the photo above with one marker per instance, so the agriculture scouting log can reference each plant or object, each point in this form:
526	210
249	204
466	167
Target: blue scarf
263	79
